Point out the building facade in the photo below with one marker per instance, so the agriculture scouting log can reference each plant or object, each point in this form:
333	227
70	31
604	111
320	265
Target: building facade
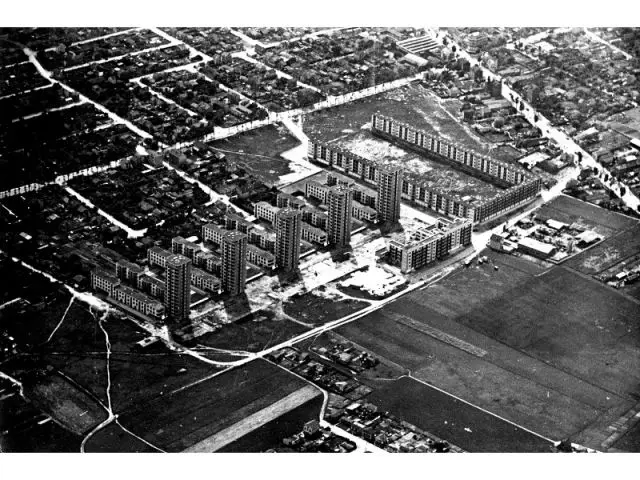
177	298
315	217
234	262
129	271
520	186
184	247
364	212
431	243
265	211
314	234
286	200
317	190
158	256
205	281
340	210
104	281
213	233
138	301
288	237
236	222
260	257
130	297
389	194
263	239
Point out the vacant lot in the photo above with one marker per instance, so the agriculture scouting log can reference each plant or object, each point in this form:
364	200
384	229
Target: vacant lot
547	349
176	421
630	442
24	428
569	210
271	434
259	151
113	439
413	104
318	310
484	372
606	254
78	351
136	375
252	335
436	173
78	412
574	323
31	326
467	288
449	418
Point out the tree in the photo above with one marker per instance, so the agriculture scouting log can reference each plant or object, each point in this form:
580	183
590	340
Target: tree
572	184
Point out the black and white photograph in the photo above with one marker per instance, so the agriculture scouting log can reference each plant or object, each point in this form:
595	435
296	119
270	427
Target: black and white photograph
319	239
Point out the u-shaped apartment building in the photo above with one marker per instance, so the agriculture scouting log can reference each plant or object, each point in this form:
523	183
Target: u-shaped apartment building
519	186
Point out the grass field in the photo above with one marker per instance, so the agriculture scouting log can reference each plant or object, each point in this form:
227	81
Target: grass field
271	435
32	327
413	104
272	413
318	310
571	322
569	210
606	254
547	349
79	351
259	151
449	418
73	409
252	335
23	428
176	421
435	173
630	442
113	439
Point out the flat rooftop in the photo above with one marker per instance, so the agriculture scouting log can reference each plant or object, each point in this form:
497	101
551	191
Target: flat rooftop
431	172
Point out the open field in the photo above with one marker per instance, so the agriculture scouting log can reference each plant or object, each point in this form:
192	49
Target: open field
547	349
630	442
259	151
569	210
252	335
574	323
608	253
78	350
413	104
176	421
437	174
269	415
113	439
31	327
70	407
313	308
632	290
491	375
271	434
453	420
23	428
